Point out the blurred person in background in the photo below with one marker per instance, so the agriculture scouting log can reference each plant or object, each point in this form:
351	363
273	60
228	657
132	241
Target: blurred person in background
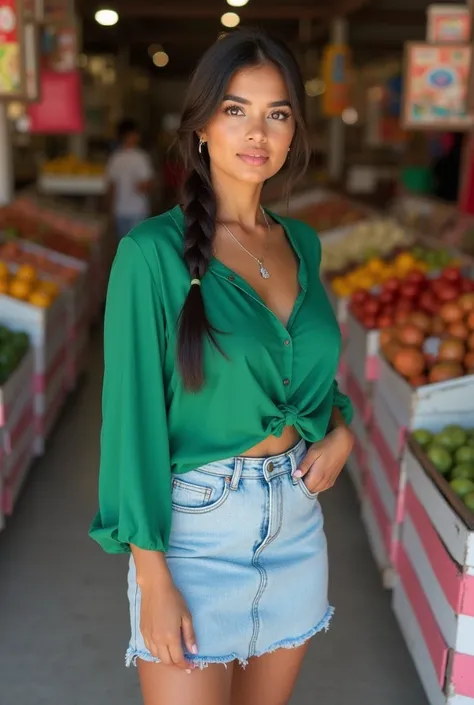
130	180
222	418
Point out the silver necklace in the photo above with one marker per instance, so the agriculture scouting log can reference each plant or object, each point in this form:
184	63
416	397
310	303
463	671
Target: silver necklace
263	270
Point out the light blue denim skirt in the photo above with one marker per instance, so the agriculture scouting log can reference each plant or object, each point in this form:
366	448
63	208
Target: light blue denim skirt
248	552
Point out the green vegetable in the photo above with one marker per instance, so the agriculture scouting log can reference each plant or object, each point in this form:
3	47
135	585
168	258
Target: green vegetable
423	437
463	471
440	458
462	487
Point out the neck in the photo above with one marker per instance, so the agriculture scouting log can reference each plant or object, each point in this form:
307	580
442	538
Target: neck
237	202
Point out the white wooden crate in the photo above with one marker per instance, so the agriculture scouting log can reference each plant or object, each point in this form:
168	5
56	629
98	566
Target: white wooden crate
362	351
18	389
428	405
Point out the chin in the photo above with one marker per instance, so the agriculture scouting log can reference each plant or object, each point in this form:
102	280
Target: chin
256	175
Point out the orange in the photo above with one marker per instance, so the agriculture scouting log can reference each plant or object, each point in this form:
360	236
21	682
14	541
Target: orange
19	288
4	285
26	272
4	271
40	298
375	265
404	261
51	288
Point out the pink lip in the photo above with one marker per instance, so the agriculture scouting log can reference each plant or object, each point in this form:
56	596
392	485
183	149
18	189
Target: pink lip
253	159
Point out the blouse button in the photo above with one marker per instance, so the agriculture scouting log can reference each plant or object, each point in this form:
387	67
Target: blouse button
286	342
286	382
231	278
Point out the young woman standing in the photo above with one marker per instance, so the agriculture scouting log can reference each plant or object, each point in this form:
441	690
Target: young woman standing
222	420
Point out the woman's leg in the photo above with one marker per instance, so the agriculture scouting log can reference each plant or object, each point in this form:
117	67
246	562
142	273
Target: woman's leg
165	685
268	679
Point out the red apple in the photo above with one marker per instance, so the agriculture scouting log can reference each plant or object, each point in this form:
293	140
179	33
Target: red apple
415	277
371	307
401	316
451	274
387	297
448	292
428	302
467	285
360	296
409	291
392	284
405	305
384	321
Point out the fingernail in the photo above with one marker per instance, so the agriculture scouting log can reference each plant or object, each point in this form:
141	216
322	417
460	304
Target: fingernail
188	671
194	649
298	474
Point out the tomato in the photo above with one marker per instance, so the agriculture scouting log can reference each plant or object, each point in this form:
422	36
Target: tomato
392	284
451	274
409	291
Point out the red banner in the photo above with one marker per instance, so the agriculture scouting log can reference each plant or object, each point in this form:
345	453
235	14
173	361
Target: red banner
60	108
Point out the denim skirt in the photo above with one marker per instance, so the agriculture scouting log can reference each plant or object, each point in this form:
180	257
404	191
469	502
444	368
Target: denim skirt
248	553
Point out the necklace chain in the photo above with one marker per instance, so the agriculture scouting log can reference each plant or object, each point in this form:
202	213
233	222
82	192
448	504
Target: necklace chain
263	270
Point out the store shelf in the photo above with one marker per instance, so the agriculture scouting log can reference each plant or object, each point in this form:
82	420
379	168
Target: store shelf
72	185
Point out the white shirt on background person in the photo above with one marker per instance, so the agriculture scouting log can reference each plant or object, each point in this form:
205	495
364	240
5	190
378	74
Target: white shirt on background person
128	167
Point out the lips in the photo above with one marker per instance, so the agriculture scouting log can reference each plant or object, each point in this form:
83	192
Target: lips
254	159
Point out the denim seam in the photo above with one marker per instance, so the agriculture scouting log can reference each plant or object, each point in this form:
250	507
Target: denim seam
204	510
136	616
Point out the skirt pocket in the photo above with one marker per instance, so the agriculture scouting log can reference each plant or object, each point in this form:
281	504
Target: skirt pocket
198	493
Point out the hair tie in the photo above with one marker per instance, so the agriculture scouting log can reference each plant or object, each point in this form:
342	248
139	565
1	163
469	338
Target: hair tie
195	282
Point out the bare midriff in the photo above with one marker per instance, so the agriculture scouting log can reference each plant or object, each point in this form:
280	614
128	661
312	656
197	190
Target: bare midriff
273	445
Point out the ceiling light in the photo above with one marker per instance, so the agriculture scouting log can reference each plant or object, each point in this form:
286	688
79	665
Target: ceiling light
237	3
160	59
107	18
230	19
350	116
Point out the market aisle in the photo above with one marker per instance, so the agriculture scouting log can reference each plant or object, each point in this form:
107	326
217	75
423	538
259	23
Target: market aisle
63	611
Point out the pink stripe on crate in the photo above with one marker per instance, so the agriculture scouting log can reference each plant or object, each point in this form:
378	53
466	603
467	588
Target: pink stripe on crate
426	621
25	420
389	463
355	393
359	452
446	570
42	381
9	487
343	329
462	675
372	368
342	369
467	607
380	513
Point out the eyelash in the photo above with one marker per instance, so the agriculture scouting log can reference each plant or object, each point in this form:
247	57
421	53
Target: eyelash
286	115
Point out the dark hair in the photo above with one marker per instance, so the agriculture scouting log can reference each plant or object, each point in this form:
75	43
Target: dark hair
126	128
237	50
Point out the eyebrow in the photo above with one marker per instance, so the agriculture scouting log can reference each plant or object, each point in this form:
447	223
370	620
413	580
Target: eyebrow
244	101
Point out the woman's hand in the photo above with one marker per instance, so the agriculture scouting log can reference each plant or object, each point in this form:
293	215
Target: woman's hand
165	623
324	461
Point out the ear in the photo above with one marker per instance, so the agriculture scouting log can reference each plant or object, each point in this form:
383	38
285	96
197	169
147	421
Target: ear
202	135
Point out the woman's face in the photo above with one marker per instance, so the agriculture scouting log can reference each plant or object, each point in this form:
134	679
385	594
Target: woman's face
250	134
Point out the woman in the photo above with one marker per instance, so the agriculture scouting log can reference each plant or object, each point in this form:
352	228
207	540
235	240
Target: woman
220	355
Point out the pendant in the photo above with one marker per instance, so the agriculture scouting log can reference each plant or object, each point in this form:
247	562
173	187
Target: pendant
264	272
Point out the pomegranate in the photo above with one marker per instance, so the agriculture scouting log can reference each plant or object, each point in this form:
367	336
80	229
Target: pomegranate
447	292
443	371
409	362
411	335
371	307
409	291
392	284
387	297
458	329
420	320
386	336
401	316
451	350
437	326
384	321
391	349
360	296
451	274
451	312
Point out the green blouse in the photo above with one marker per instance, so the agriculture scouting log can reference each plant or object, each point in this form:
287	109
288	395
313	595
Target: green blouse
272	375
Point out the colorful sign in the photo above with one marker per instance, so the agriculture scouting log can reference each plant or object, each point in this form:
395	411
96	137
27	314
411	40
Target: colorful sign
336	79
11	68
449	23
437	86
60	109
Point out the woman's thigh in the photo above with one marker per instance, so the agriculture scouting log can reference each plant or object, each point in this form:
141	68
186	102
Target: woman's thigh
268	679
165	685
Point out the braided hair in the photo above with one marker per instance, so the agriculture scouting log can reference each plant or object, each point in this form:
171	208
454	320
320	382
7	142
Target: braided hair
235	51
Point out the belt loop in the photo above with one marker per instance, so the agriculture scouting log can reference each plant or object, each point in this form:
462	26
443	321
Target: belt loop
237	474
292	456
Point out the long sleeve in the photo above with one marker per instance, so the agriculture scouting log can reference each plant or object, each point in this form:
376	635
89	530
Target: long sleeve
135	474
343	403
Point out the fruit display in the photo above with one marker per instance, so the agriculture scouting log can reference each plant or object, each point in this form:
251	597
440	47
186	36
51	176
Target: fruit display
70	165
13	253
451	452
375	238
25	285
331	214
13	347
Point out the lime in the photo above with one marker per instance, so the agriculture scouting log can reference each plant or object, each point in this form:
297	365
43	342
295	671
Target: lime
463	471
462	487
465	454
422	436
440	457
451	438
469	501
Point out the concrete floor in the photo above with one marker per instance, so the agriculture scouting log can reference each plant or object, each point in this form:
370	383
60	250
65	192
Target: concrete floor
63	610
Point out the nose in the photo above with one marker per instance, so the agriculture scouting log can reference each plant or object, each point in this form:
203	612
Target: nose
257	131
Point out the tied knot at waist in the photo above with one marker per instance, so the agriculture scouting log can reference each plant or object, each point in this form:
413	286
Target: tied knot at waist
289	416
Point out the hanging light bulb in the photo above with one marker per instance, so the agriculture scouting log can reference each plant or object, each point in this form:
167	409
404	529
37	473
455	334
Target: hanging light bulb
107	18
161	59
237	3
230	19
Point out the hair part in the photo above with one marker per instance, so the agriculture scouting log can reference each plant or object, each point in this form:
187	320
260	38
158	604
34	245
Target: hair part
233	52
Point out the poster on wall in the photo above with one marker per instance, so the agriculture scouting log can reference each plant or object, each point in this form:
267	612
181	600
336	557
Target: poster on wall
449	23
58	11
436	86
335	98
59	47
59	111
12	77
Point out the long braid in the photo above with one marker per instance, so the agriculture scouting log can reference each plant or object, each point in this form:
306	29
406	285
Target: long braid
200	210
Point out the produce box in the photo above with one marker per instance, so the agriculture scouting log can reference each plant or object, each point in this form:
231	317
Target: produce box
2	515
362	353
434	598
74	279
47	330
357	462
